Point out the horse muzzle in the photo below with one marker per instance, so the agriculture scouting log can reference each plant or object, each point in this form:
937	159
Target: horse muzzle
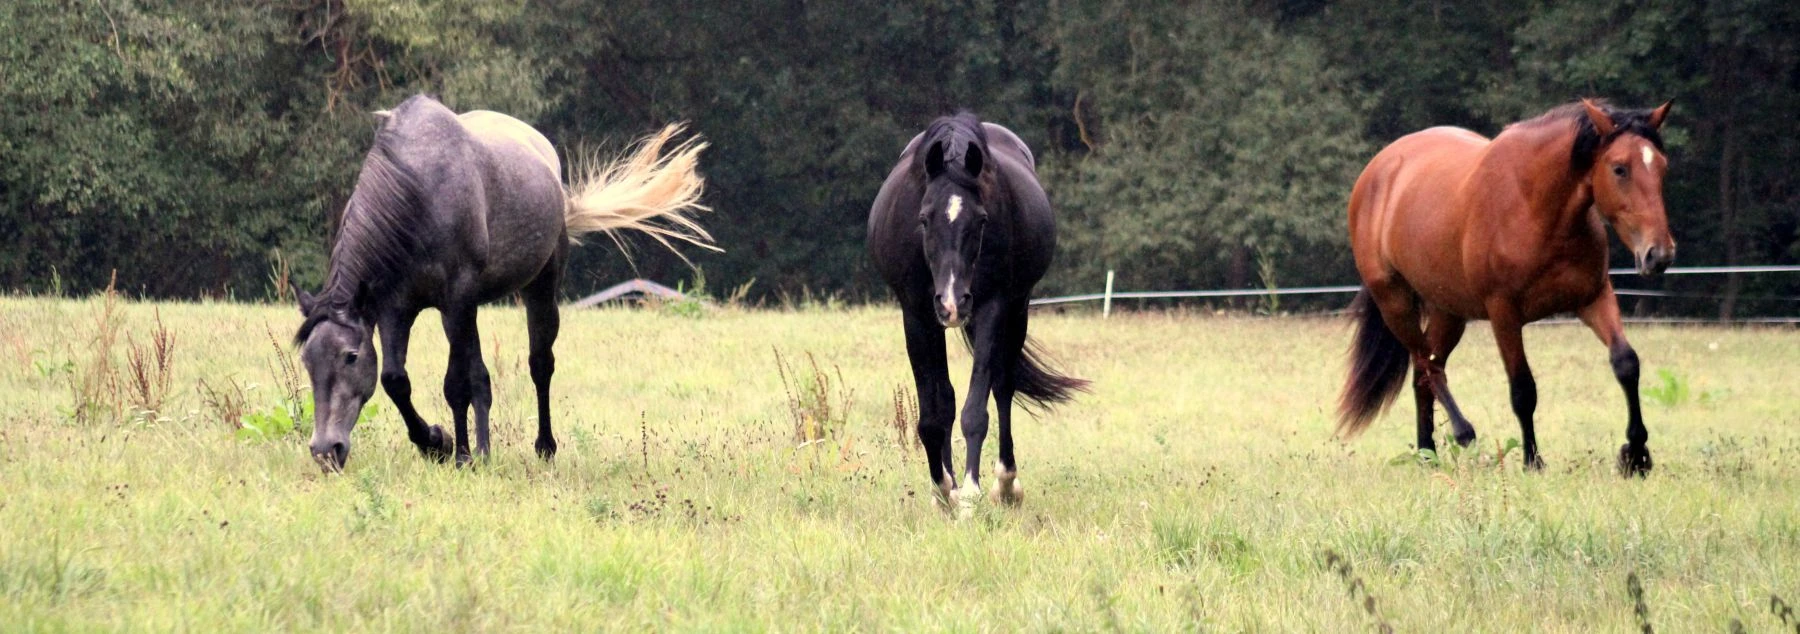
1652	261
331	456
953	314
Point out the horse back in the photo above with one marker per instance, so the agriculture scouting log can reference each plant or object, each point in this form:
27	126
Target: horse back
1032	238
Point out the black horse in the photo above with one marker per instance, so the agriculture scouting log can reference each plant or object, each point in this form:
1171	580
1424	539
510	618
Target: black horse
450	212
962	231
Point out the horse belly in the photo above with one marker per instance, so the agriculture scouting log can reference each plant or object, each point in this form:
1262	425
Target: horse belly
525	208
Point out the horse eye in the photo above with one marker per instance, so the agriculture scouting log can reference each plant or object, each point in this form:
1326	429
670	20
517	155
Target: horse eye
1619	171
350	358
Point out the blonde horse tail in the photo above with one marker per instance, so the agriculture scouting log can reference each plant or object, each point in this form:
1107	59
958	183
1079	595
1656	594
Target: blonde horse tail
646	190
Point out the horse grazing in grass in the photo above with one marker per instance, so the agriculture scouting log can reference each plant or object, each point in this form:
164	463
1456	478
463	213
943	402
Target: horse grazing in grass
1449	226
961	231
450	212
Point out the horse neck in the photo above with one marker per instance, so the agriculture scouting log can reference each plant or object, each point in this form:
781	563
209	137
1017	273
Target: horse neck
1547	179
357	260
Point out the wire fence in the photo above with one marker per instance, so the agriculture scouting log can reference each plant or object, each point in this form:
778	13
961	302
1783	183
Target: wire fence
1106	297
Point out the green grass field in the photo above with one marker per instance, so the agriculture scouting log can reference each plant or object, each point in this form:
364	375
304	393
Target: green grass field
1197	488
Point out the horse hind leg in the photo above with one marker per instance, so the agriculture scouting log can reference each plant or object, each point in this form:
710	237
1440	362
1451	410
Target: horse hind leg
1399	307
1007	489
466	380
1443	331
543	322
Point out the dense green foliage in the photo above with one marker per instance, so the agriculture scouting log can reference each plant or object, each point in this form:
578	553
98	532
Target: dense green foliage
196	146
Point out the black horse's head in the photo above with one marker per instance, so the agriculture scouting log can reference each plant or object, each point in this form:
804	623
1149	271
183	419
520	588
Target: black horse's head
337	347
952	216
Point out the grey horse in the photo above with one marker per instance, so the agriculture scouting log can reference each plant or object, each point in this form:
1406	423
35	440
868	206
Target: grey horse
450	212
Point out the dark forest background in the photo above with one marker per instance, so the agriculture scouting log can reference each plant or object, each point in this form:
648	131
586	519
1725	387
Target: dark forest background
198	147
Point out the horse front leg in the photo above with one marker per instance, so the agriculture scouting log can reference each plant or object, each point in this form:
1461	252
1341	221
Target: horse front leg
1602	317
1510	336
396	331
937	398
985	341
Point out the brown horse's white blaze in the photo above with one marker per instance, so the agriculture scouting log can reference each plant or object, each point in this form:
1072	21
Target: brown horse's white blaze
1448	226
1627	190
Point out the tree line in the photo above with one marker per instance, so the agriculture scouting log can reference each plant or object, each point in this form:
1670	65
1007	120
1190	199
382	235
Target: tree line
204	148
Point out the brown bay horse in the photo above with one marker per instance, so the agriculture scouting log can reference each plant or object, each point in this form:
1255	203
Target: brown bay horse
1448	226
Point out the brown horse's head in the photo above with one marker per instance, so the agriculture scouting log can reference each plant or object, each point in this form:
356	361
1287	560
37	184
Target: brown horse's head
1627	178
338	351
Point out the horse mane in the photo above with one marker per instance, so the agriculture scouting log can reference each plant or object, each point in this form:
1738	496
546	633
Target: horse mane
1588	140
956	132
377	233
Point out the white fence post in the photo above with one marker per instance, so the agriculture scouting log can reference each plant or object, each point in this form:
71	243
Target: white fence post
1106	306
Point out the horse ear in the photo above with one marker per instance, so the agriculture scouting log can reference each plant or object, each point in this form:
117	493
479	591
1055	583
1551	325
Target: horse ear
973	160
306	299
1661	112
1602	122
934	160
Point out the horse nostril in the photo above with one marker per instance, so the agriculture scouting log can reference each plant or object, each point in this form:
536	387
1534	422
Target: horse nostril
965	298
332	455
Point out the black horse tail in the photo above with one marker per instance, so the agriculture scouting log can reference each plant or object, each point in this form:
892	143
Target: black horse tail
1041	385
1378	364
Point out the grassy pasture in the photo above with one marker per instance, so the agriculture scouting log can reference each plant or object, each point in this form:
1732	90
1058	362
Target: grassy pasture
1197	488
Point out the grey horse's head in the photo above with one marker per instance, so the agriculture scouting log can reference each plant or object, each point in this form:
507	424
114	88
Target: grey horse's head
337	347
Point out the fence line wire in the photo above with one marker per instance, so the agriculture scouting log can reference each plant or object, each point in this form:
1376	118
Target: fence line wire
1323	290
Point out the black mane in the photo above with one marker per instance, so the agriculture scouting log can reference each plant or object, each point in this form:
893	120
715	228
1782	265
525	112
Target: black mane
955	133
376	238
1588	140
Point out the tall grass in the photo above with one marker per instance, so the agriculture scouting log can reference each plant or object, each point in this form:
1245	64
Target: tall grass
1193	490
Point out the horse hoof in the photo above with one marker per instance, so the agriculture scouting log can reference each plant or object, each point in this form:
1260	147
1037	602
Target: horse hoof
464	460
1008	491
546	449
1534	464
967	498
436	447
1465	437
944	498
1634	461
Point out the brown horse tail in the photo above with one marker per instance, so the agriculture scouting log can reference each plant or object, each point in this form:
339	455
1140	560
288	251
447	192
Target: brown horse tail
645	191
1041	385
1378	364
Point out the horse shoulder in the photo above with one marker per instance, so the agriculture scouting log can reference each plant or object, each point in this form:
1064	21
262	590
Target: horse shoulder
892	240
